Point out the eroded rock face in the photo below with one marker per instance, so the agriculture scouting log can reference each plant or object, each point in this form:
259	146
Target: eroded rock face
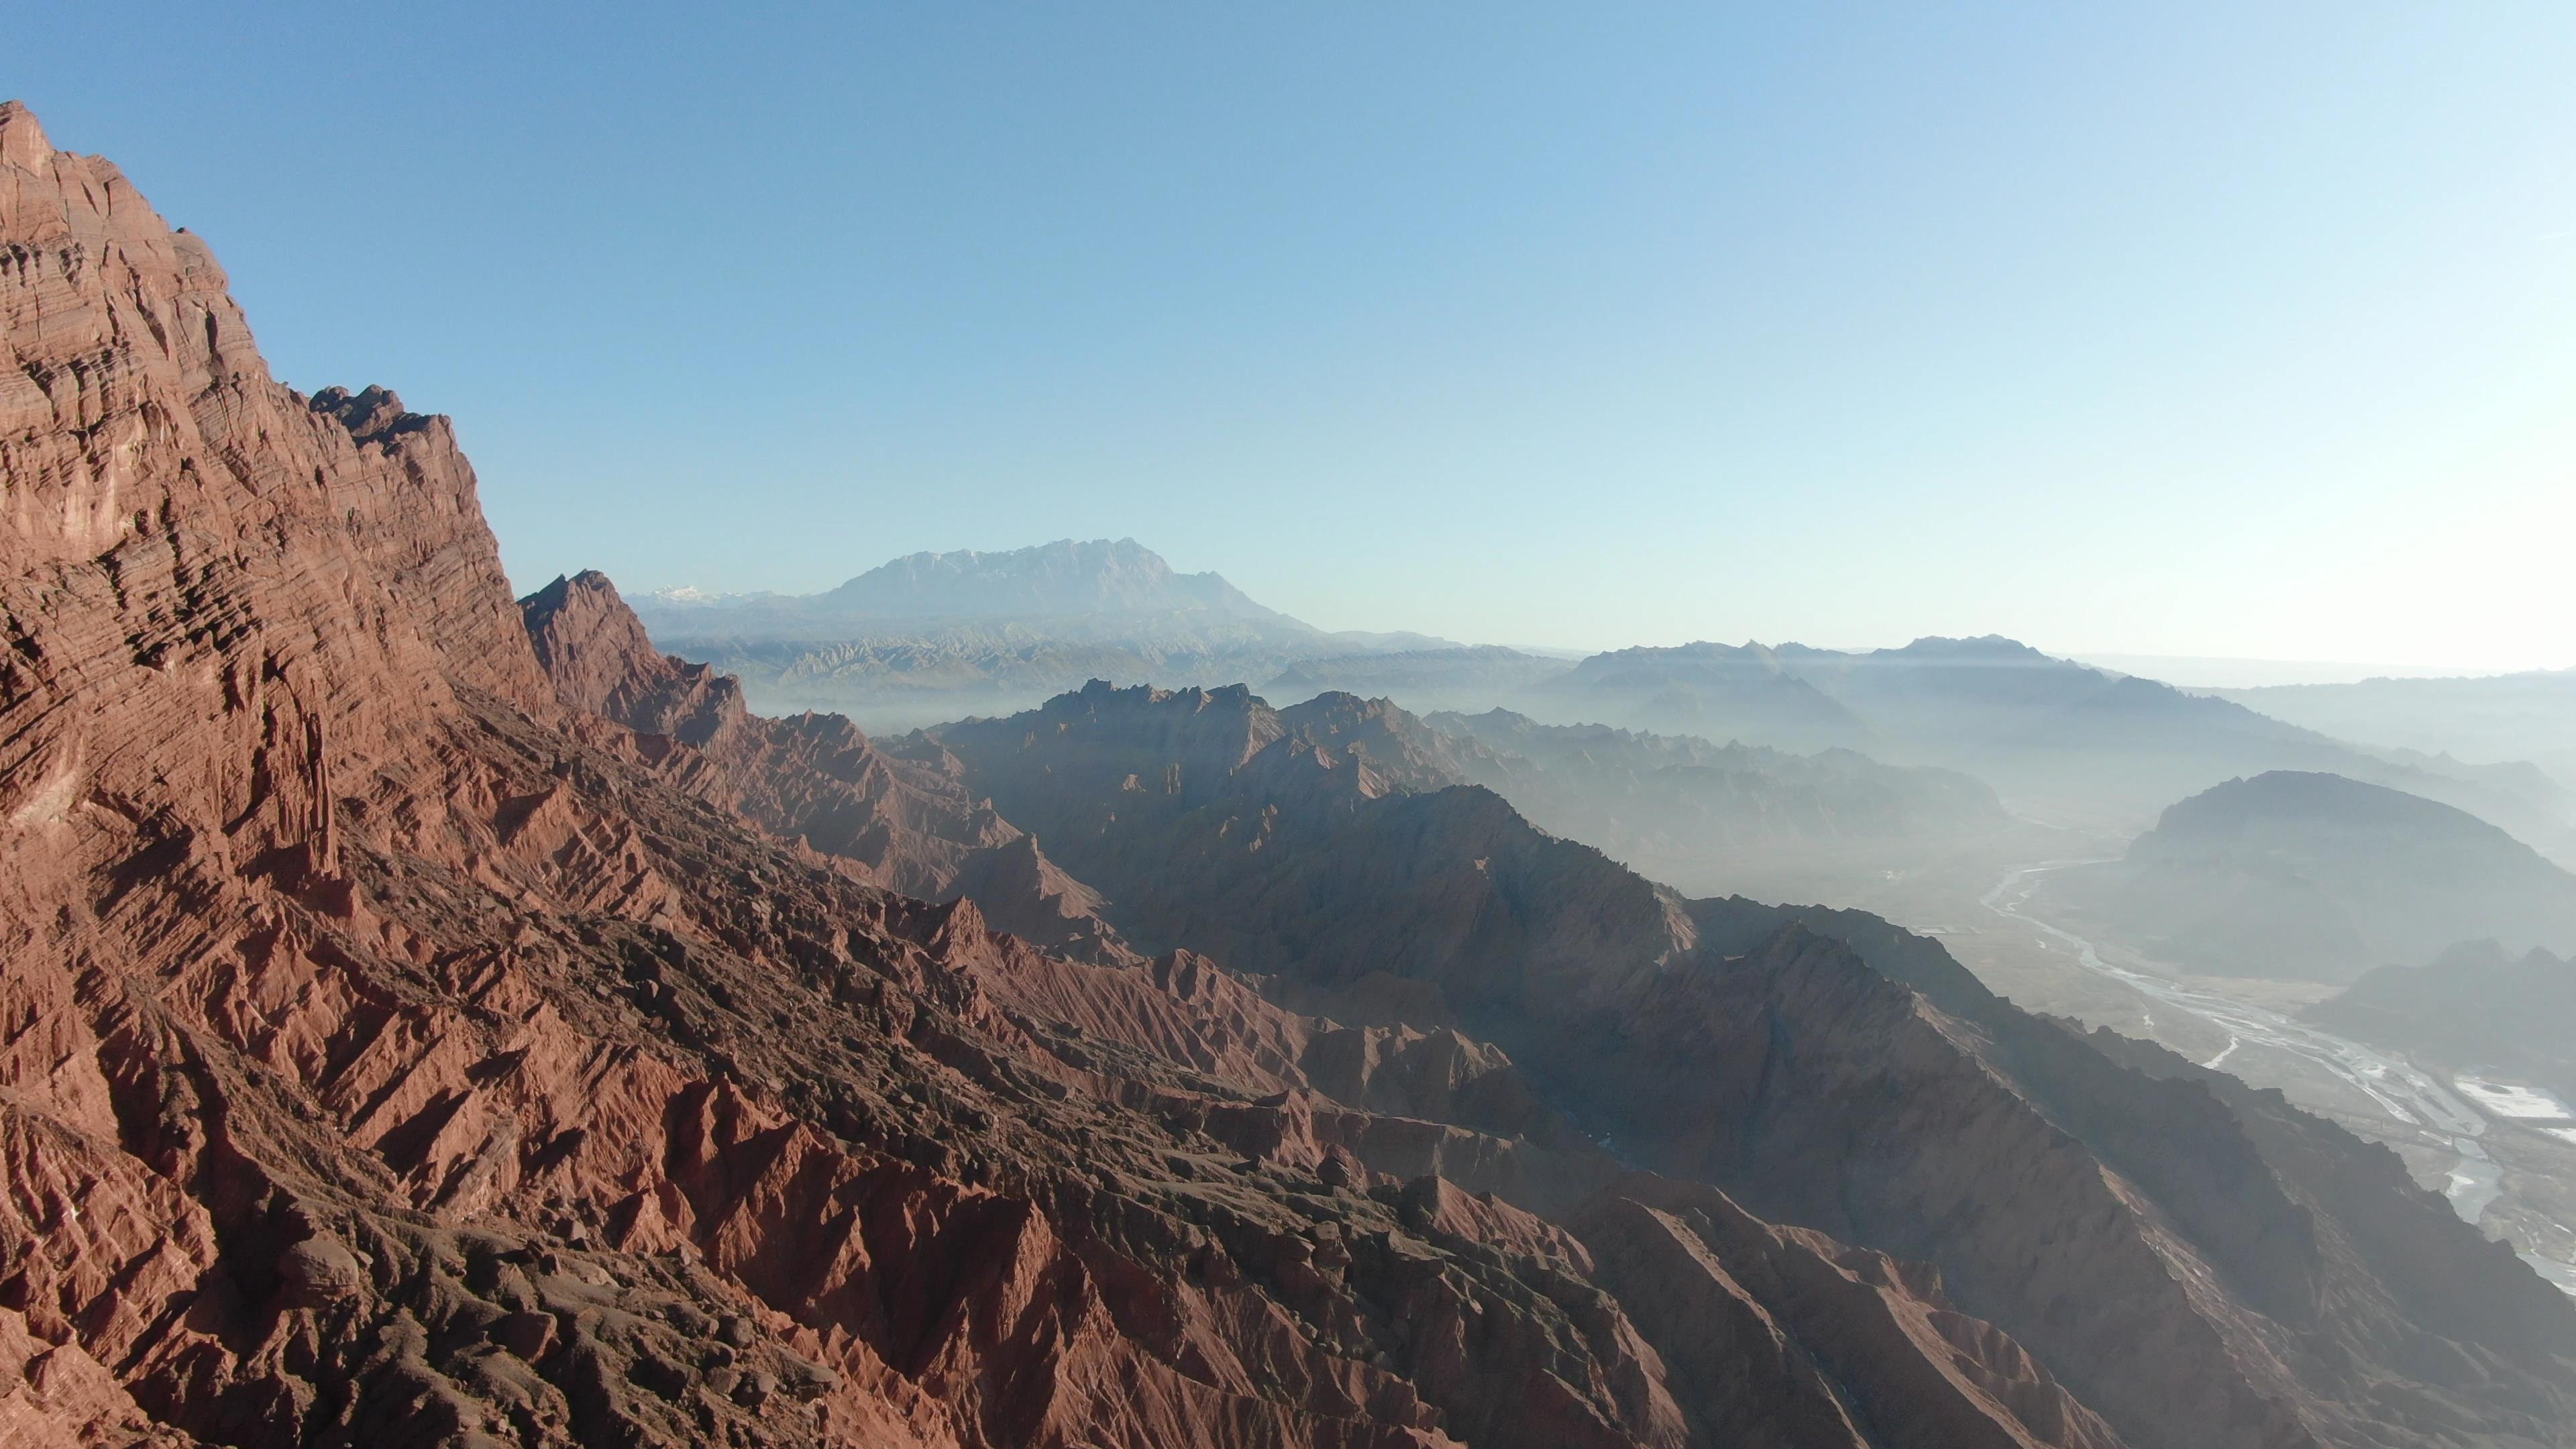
433	1021
902	821
1799	1339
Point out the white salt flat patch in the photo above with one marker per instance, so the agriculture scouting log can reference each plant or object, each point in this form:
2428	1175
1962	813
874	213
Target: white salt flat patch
2563	1134
2504	1099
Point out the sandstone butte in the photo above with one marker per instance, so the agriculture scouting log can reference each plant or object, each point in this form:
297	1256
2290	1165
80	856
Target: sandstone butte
429	1018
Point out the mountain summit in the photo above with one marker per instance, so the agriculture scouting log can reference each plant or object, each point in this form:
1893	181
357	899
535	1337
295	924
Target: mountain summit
1066	577
933	636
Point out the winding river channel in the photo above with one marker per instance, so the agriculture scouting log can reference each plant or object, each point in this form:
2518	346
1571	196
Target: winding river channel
2405	1093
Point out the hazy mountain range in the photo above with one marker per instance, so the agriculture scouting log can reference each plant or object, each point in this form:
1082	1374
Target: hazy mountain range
941	635
2526	716
1746	819
1116	583
2058	738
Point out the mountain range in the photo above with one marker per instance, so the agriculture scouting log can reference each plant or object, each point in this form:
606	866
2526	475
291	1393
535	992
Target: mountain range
2060	740
1068	580
1747	819
1718	1040
439	1017
942	635
2523	716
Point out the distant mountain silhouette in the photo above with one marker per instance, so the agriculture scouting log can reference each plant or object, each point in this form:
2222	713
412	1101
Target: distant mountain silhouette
1721	691
1766	823
934	636
1100	589
2064	738
2526	716
942	636
1057	579
1467	677
2297	874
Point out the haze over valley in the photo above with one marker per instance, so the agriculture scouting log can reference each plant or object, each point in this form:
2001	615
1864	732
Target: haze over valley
2175	864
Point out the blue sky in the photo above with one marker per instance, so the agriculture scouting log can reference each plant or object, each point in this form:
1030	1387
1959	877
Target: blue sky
2187	329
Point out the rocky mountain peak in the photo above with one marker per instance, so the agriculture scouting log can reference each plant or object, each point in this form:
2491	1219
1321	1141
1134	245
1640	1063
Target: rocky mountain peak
370	413
591	645
1995	648
22	138
1064	578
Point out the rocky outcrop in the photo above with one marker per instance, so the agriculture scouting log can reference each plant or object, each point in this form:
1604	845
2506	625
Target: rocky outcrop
903	822
433	1022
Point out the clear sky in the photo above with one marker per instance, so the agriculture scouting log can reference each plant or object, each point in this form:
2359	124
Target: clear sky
2223	329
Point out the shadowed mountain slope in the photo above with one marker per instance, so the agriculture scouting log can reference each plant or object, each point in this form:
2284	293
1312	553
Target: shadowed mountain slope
2203	1268
1473	679
1720	691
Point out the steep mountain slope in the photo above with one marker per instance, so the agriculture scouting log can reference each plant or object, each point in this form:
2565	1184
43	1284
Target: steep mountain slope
2312	875
1746	818
2475	1005
403	1051
2204	1269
